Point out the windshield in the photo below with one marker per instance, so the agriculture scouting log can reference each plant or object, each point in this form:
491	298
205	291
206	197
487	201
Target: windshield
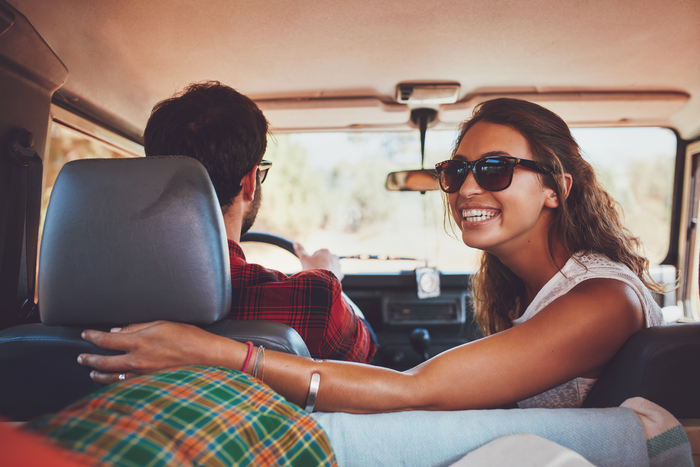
326	190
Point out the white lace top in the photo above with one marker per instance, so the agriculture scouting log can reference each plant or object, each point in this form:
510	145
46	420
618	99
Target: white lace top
593	266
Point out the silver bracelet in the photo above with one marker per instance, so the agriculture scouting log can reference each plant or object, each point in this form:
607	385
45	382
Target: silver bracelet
313	392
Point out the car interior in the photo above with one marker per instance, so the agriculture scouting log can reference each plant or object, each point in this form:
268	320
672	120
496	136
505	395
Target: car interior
363	99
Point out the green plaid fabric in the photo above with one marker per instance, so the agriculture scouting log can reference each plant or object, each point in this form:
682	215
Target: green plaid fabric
189	416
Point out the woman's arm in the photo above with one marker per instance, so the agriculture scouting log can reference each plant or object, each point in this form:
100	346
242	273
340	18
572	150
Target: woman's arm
576	334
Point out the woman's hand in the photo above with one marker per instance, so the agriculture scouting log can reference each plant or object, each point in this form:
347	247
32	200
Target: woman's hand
150	347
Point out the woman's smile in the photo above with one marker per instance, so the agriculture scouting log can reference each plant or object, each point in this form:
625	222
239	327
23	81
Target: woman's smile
477	216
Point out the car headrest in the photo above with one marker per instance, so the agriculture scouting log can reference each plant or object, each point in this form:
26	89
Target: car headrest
658	363
133	240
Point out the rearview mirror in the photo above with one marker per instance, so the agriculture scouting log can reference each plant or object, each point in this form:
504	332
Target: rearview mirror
413	180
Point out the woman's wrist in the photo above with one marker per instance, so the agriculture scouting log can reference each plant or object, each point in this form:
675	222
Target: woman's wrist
227	353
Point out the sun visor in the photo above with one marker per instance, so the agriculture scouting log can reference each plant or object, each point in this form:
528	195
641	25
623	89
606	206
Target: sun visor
587	108
333	114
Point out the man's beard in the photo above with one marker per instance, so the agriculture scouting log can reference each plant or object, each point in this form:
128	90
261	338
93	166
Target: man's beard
249	218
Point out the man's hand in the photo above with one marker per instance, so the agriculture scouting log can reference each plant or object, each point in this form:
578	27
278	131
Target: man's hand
322	259
149	347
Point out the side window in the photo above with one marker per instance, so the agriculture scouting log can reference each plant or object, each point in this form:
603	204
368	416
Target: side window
67	142
636	166
689	289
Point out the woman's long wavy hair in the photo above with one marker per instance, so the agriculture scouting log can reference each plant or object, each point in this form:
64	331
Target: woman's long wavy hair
588	220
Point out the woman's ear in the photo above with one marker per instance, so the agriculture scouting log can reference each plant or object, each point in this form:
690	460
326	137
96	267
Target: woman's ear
568	181
552	200
249	184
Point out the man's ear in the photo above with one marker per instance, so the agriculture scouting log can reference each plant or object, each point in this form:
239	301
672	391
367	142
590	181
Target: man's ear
249	184
552	200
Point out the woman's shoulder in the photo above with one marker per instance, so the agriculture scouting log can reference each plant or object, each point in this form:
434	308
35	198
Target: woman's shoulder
584	267
596	263
599	266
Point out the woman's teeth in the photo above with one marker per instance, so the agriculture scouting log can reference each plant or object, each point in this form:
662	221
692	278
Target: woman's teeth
475	215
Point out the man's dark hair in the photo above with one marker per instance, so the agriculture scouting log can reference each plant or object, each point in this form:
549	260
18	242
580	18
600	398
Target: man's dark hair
215	124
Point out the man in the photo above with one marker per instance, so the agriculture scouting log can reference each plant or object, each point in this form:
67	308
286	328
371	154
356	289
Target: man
227	133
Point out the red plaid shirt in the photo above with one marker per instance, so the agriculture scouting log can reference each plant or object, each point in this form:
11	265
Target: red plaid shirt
310	302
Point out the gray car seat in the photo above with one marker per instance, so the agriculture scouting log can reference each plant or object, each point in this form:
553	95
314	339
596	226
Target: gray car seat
124	241
660	364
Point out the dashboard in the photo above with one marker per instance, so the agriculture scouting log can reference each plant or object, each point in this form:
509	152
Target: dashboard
406	326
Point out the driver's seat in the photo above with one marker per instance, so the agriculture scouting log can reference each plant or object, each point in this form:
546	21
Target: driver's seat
125	241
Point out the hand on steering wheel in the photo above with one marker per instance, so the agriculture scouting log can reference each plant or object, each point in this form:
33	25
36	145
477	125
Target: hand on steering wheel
289	246
322	259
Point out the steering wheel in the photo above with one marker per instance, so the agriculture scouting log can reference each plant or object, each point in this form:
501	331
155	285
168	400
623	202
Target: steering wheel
269	238
289	246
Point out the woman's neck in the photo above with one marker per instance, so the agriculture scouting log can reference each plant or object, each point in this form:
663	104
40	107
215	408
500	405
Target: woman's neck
535	266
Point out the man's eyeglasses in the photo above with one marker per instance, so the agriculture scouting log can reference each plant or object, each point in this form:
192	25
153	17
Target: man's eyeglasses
263	168
492	173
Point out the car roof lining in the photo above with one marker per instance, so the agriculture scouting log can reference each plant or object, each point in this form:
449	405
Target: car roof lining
123	57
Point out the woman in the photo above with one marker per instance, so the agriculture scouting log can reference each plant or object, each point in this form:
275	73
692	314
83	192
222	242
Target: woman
560	289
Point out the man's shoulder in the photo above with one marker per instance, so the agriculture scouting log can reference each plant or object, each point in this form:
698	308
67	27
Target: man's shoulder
317	278
235	250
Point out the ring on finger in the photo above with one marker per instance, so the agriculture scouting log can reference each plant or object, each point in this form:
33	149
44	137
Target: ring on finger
122	376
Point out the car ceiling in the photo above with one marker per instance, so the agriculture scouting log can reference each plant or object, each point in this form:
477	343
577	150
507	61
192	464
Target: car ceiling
329	65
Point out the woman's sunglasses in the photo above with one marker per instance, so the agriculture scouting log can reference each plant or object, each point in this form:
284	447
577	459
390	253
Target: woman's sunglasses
492	173
263	168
